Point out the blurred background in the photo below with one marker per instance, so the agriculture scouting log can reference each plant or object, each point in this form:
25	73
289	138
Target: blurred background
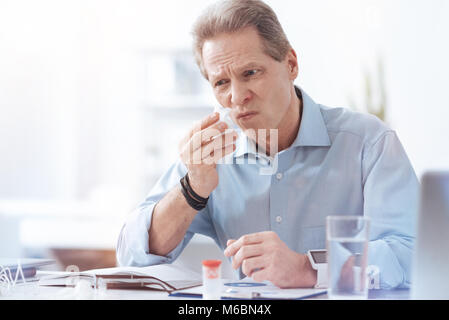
95	95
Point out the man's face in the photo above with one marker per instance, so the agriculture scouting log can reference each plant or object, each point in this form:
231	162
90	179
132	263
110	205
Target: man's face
256	87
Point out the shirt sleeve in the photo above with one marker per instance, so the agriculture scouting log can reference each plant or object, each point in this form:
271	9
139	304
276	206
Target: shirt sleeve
133	243
390	200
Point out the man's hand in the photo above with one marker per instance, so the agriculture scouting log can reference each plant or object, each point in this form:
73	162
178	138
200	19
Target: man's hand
346	279
202	148
263	256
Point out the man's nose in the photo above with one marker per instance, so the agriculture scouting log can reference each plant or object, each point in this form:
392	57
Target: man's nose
240	94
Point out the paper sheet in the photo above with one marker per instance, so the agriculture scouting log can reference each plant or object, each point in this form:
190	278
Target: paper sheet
249	289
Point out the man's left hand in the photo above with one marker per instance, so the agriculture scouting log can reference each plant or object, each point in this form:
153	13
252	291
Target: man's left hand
264	256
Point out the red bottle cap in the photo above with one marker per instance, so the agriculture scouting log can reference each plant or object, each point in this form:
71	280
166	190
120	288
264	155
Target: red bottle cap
211	263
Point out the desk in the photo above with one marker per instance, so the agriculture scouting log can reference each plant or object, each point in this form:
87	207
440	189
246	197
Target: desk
32	291
398	294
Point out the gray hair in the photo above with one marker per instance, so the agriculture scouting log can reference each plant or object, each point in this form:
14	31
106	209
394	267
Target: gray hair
229	16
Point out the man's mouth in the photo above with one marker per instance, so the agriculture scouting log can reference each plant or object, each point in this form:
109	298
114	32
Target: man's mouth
246	115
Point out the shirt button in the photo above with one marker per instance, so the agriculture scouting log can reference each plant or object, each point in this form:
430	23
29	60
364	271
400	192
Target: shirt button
279	176
278	219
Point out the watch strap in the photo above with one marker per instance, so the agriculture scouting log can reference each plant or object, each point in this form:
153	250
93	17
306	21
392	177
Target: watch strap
321	276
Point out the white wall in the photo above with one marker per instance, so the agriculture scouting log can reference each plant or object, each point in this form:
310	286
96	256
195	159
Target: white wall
338	40
38	82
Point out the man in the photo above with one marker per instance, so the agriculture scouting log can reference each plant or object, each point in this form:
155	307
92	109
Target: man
328	161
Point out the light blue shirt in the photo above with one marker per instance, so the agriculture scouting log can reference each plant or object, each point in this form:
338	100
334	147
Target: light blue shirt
341	163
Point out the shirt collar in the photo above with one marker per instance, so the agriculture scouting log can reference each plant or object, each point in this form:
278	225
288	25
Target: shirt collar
312	130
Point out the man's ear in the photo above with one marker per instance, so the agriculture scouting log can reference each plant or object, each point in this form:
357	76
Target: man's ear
292	62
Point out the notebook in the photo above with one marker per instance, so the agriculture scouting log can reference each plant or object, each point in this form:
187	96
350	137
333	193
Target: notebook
164	277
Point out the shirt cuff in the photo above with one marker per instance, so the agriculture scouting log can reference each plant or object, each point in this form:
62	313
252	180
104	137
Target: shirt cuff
390	271
133	243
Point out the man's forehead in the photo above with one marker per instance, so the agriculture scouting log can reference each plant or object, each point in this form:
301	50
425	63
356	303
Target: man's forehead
238	50
245	37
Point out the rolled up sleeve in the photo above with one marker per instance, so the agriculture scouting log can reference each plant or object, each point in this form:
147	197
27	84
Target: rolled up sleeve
133	242
390	200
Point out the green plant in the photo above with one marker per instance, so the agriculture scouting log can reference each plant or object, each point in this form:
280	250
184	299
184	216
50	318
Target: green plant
375	97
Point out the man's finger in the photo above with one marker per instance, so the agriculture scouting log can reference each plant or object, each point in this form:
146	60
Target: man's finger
246	252
204	123
219	143
213	152
260	275
197	127
246	239
203	137
217	155
253	264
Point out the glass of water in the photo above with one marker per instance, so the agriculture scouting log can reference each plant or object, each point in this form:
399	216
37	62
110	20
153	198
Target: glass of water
347	240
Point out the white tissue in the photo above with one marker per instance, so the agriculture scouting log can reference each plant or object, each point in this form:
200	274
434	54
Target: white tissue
225	117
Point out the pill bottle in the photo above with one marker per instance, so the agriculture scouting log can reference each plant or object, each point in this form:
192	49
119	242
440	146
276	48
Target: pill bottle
212	279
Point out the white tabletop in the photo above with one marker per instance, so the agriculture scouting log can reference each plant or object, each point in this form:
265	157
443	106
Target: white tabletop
32	291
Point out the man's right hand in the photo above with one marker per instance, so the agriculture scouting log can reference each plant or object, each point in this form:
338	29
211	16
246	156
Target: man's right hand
202	148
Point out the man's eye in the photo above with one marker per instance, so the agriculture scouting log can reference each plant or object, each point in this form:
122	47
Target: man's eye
220	83
250	73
